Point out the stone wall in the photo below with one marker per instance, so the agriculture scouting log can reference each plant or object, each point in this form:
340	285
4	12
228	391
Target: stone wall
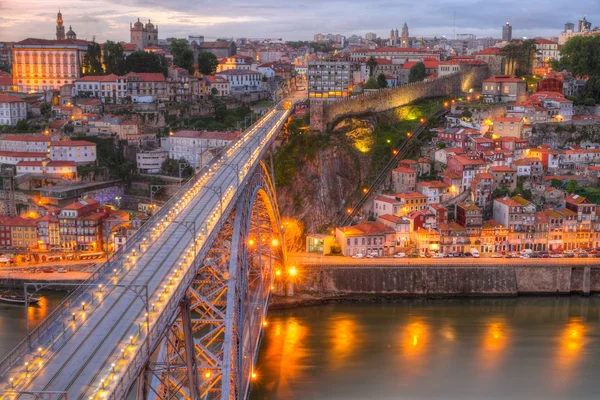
449	280
386	99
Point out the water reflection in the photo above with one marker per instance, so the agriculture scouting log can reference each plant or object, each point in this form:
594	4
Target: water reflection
570	350
496	349
344	338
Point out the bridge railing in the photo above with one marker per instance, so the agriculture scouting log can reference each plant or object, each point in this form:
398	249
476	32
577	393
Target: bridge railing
14	355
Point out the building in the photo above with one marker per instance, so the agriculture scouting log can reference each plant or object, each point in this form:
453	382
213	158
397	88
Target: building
25	143
79	151
466	168
329	80
220	48
366	238
143	36
371	36
504	178
470	217
584	25
196	146
235	62
48	168
493	57
436	191
456	65
147	87
40	64
23	233
218	85
81	226
509	127
404	180
150	162
547	50
12	110
400	225
109	88
586	210
391	53
404	41
515	213
507	32
241	80
503	89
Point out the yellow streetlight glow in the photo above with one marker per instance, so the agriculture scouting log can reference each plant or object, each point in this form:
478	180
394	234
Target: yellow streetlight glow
278	272
251	242
293	271
275	242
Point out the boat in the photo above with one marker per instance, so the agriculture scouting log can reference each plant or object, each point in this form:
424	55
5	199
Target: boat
13	299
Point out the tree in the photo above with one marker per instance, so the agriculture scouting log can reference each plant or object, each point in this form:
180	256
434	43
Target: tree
417	73
372	83
140	61
520	57
207	63
556	183
372	64
182	55
92	61
571	186
441	145
220	110
467	114
170	167
114	58
382	81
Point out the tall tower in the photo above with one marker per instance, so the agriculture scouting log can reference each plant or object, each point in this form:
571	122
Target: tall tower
507	32
60	29
404	38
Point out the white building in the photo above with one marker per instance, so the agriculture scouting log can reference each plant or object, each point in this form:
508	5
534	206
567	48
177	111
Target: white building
221	84
235	62
64	169
106	87
12	110
25	143
242	80
194	145
79	151
150	162
15	157
266	70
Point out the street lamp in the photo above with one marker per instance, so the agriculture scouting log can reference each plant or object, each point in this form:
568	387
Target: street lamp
219	192
182	166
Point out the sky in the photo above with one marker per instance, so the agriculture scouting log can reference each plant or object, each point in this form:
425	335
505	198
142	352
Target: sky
291	19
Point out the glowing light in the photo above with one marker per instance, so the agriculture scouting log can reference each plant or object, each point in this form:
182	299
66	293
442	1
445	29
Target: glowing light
207	374
293	271
251	242
254	375
365	190
275	242
264	323
278	272
349	211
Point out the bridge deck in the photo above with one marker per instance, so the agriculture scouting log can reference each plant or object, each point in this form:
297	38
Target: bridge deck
78	350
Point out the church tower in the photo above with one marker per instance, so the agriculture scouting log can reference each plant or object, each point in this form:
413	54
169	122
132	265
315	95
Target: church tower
60	29
404	38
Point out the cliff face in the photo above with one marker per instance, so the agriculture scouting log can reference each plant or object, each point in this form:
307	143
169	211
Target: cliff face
320	187
562	135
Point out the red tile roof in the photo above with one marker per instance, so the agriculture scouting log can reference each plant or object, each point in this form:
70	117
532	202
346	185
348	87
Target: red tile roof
99	78
366	228
502	79
5	98
148	76
490	51
45	42
22	154
26	138
71	143
214	45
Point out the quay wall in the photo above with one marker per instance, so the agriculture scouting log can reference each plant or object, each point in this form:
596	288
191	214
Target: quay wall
436	280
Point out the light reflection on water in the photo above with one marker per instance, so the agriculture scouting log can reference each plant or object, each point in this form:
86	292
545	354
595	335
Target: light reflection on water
13	323
523	348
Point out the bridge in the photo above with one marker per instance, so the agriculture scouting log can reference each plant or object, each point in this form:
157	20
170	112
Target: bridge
178	313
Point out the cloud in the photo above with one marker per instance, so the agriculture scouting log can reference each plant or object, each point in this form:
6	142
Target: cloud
292	19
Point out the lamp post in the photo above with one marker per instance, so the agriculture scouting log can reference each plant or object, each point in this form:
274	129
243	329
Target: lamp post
107	234
182	166
219	192
190	226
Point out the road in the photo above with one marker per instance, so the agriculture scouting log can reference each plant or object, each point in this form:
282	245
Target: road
315	260
93	348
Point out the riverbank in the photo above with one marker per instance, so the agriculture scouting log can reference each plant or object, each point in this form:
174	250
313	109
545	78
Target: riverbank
17	280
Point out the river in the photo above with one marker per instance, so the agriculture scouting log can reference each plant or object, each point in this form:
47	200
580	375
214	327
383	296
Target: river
507	348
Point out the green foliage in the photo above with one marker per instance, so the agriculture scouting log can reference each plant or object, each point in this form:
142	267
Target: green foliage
114	58
372	83
207	63
21	126
500	192
372	64
589	102
92	61
382	81
298	149
228	119
220	110
441	145
140	61
572	186
110	155
317	47
556	183
520	57
170	167
416	73
183	56
581	56
467	114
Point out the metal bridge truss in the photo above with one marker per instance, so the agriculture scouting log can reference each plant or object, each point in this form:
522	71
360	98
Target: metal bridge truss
209	349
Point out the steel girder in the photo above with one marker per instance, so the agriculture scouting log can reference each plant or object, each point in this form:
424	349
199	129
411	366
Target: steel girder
225	307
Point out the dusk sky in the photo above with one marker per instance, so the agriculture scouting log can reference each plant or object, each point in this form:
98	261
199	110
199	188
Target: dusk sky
291	19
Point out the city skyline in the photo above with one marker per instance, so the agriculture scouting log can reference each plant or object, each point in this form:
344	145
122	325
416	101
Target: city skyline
109	19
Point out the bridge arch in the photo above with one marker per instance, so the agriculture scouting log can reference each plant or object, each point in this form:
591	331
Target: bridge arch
209	349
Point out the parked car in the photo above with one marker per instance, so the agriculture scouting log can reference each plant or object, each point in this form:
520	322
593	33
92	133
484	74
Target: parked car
400	255
438	255
47	270
372	255
468	254
556	255
582	255
61	271
497	255
534	255
597	255
359	255
511	255
456	254
569	255
428	255
413	255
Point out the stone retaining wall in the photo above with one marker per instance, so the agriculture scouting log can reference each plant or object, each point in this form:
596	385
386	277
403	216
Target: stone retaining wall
450	280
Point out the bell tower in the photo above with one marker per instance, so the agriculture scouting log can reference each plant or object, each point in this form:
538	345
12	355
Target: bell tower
60	29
